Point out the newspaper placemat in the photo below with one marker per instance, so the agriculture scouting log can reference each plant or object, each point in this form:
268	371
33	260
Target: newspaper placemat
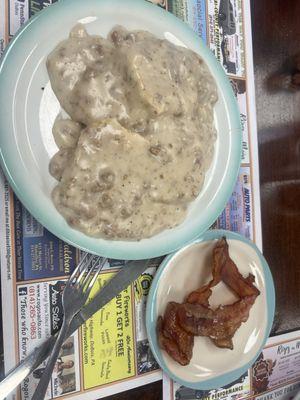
274	376
110	353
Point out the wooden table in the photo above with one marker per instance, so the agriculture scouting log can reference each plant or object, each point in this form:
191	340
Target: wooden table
276	40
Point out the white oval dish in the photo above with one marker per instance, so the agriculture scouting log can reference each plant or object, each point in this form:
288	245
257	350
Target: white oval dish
189	269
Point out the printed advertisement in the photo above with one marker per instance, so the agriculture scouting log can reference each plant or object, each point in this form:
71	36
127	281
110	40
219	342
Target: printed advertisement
112	337
39	254
289	392
40	315
192	12
274	376
225	34
277	365
145	359
18	14
235	390
238	213
239	89
108	340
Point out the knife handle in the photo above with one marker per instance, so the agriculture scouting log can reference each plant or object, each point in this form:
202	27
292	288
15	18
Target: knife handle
16	375
25	367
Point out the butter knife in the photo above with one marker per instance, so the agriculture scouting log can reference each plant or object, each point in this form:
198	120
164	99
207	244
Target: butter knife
127	275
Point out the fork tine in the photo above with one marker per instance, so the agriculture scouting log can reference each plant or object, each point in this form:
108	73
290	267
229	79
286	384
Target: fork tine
100	266
94	263
90	284
84	270
77	269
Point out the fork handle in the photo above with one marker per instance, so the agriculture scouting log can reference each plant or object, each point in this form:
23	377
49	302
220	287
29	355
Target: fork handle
42	386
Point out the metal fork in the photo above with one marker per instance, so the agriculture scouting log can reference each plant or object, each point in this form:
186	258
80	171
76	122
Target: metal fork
74	297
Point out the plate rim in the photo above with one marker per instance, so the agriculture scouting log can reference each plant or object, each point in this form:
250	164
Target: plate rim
114	248
231	376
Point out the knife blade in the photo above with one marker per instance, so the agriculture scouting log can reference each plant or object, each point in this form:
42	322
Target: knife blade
127	275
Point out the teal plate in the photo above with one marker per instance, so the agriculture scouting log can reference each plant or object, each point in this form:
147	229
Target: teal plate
29	108
190	268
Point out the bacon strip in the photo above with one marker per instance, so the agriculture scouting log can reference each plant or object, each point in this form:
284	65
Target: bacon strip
223	343
172	338
202	295
182	322
221	323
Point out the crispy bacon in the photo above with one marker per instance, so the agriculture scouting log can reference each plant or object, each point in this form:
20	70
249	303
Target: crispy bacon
182	322
231	276
223	343
221	323
202	295
172	338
